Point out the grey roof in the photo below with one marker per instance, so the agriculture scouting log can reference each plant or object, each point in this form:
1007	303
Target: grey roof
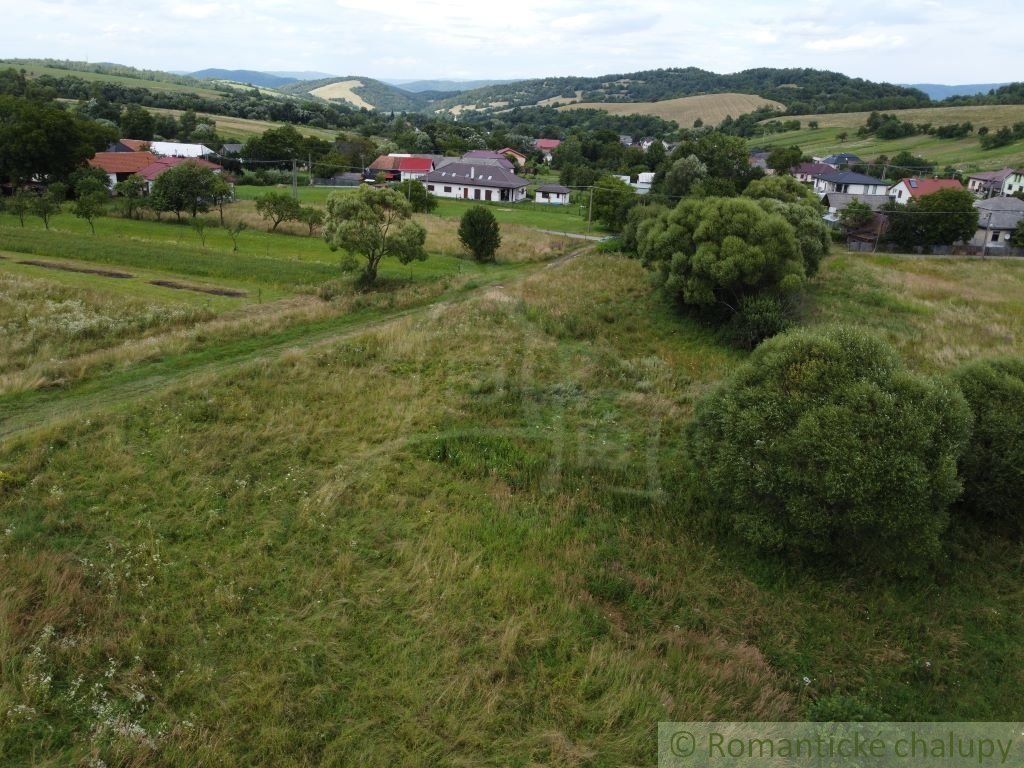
231	149
839	200
843	158
1000	212
849	177
475	174
1000	204
991	176
487	154
557	189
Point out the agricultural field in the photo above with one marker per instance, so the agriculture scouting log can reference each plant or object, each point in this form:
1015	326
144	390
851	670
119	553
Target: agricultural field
712	108
343	91
457	532
965	154
36	70
242	128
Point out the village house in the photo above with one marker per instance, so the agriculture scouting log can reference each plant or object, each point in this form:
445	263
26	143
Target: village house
546	147
161	165
760	160
836	203
849	182
805	172
129	145
414	168
120	165
905	190
470	181
552	194
998	217
385	167
1014	183
988	183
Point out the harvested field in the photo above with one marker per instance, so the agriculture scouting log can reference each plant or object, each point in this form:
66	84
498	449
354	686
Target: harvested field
198	288
711	108
74	268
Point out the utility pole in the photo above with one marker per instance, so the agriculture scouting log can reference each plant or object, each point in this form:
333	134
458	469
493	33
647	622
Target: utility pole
309	167
988	234
295	179
590	210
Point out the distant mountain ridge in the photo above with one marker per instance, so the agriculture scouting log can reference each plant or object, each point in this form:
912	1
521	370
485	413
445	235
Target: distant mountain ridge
248	76
939	92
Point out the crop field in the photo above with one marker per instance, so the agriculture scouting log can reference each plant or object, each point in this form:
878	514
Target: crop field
129	82
712	108
343	91
965	154
444	523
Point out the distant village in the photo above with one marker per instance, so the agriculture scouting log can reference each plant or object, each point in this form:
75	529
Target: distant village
495	176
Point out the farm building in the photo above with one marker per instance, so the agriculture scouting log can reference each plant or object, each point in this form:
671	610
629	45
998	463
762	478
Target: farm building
905	190
998	217
552	194
468	181
120	165
849	182
836	203
414	168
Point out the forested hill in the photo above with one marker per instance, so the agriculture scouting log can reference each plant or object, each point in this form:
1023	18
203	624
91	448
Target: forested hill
803	91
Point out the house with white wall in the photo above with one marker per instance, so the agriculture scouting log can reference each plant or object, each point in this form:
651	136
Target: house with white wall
905	190
1014	183
468	181
988	183
849	183
998	218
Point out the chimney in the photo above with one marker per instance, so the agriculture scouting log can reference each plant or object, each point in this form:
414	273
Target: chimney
472	172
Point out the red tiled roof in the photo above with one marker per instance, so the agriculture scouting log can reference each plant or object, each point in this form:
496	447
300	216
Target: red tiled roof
162	164
136	145
122	162
506	150
546	144
415	164
923	187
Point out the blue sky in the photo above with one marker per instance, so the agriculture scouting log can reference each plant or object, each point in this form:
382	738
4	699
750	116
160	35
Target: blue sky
907	41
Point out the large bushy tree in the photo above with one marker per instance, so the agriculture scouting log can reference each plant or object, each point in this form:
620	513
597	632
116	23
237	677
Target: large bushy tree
612	200
188	187
941	218
374	223
823	447
277	207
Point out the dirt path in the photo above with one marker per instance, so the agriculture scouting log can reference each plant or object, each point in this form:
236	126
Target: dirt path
30	411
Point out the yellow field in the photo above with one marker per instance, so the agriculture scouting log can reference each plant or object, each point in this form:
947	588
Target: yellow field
241	128
560	100
994	116
342	91
712	108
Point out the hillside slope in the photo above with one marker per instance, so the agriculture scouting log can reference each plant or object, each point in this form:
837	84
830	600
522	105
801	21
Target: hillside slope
247	76
365	92
800	90
711	109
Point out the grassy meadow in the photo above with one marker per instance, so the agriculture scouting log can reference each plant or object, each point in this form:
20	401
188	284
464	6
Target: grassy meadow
37	69
711	108
964	154
456	532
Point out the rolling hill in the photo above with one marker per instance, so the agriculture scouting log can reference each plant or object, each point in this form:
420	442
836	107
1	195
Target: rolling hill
939	92
365	92
711	109
799	90
965	154
247	76
451	86
117	74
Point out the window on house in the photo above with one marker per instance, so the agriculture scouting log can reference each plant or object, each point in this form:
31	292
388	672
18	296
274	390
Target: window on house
476	194
430	187
448	189
488	194
899	195
995	237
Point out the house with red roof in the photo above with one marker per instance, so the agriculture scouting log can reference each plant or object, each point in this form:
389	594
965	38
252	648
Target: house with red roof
905	190
414	167
546	147
161	165
120	165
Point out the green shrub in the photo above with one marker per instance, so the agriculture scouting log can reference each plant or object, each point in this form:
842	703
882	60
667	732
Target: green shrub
822	447
992	466
479	233
758	318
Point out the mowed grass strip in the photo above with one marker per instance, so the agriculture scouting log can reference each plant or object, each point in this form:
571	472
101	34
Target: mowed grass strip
457	539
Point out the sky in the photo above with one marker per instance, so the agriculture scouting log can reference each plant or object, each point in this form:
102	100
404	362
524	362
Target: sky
909	41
